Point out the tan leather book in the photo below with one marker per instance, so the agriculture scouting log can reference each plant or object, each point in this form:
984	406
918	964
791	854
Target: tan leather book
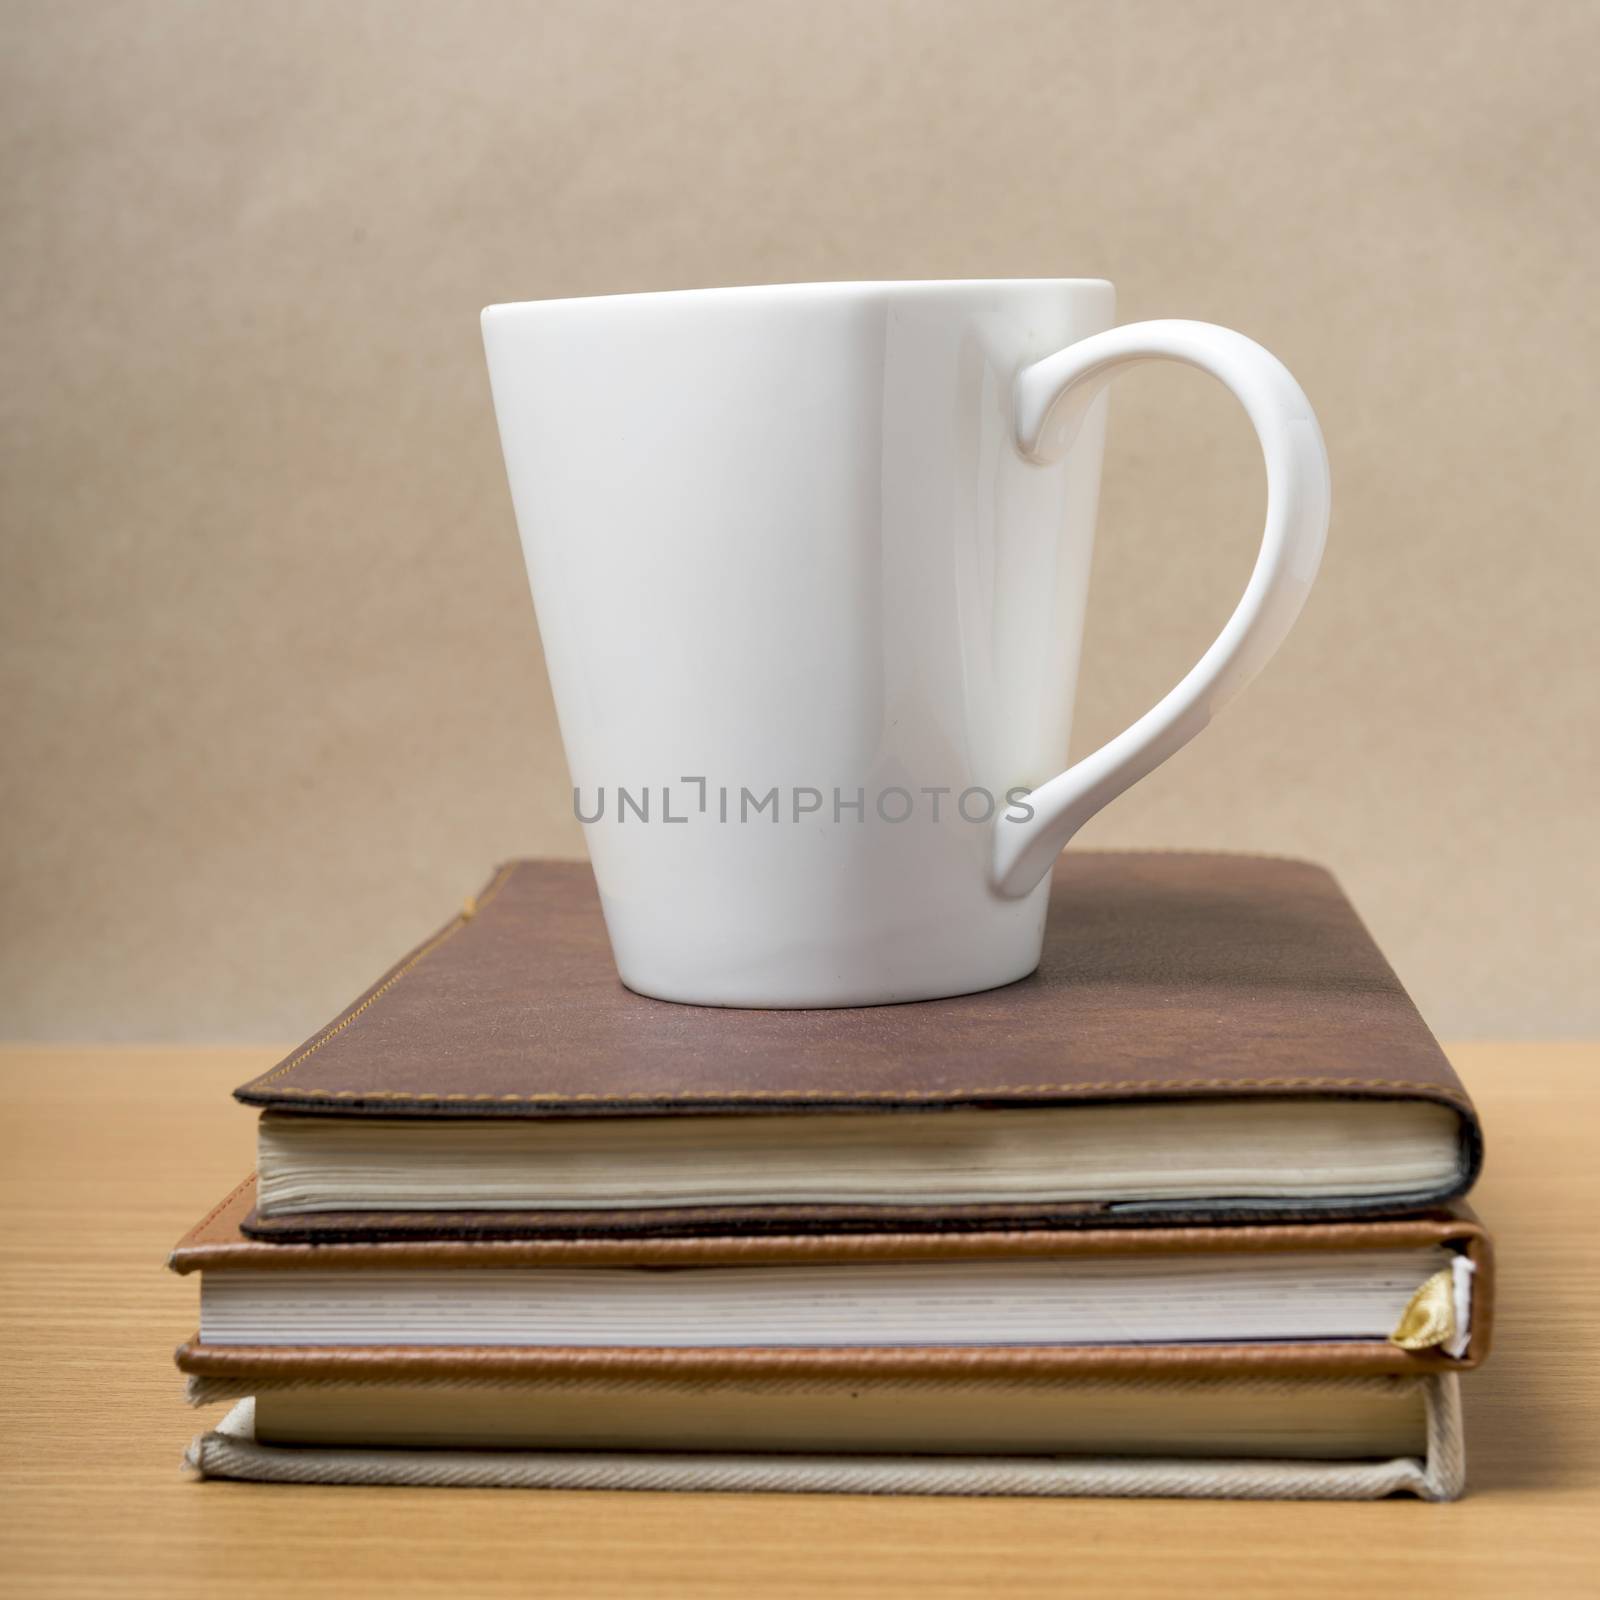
1208	1037
1396	1297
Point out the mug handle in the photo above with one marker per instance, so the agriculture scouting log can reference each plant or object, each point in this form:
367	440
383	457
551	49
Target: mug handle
1051	400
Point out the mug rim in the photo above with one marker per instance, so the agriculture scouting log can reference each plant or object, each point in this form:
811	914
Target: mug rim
784	290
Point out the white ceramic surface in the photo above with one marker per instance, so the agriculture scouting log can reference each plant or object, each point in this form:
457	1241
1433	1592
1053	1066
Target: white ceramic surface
832	540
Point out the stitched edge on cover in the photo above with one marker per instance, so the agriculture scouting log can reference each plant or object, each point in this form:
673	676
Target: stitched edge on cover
965	1363
717	1096
212	1215
443	936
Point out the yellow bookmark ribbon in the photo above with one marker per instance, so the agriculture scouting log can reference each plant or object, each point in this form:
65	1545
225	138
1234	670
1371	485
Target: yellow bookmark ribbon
1429	1318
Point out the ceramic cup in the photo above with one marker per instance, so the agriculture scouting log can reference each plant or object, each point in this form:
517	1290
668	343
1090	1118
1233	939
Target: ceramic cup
810	565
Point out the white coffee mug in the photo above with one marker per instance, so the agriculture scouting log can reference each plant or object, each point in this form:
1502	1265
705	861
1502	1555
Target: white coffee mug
810	564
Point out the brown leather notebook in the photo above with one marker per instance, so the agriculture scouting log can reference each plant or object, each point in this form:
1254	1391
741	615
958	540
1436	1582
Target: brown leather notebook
1402	1296
1209	1037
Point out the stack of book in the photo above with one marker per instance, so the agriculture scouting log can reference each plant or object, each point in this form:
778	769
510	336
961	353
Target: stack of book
1177	1215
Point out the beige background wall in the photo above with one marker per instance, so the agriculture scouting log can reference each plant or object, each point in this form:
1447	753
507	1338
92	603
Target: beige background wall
273	699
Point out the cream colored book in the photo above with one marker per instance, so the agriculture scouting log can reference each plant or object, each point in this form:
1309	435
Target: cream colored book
1235	1438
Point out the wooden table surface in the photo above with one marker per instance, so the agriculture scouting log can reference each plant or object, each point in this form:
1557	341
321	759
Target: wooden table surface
109	1154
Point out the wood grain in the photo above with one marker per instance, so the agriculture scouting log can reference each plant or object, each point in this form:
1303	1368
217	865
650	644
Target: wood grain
110	1153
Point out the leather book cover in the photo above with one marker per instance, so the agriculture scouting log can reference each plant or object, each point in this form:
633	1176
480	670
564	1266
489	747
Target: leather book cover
1165	976
217	1244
